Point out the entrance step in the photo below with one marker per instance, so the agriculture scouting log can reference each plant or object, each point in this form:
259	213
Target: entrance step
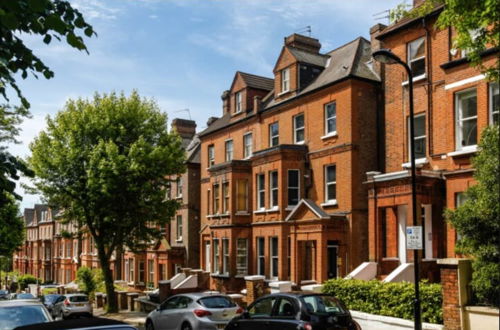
366	271
403	272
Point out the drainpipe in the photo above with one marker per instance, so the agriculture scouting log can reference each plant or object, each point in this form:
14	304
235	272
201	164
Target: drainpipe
429	88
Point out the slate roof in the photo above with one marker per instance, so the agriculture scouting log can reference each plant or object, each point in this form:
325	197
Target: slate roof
29	214
348	61
193	150
257	82
404	22
312	206
308	57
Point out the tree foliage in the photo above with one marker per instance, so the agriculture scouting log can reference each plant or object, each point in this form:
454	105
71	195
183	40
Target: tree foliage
105	162
477	220
50	19
11	227
477	23
86	280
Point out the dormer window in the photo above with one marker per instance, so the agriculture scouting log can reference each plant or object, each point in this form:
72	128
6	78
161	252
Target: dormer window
416	57
237	102
285	80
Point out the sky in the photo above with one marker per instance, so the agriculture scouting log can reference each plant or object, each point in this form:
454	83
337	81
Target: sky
182	53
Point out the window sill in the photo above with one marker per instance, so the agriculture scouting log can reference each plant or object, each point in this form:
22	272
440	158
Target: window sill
329	203
179	240
466	151
290	207
272	210
240	276
219	275
242	213
283	93
234	114
415	79
300	142
261	211
419	161
329	135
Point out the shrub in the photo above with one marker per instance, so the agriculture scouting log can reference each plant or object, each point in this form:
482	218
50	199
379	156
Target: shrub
46	291
86	281
388	299
26	279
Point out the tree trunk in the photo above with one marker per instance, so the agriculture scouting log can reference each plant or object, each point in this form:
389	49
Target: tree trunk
118	263
112	306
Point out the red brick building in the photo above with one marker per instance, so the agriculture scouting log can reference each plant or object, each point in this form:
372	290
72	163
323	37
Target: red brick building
453	104
282	169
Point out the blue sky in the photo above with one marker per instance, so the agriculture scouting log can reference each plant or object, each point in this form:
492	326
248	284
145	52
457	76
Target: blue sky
183	53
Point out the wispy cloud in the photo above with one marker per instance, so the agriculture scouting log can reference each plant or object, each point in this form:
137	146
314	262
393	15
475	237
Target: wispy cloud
95	9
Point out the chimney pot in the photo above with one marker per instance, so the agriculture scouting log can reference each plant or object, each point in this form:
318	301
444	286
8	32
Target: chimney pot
185	128
305	43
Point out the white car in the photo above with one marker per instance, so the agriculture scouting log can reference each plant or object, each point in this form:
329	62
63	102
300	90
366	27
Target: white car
16	313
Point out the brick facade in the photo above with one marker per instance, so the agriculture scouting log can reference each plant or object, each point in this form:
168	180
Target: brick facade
446	90
310	238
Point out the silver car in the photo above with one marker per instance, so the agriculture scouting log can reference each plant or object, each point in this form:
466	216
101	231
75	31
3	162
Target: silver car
16	313
71	305
204	311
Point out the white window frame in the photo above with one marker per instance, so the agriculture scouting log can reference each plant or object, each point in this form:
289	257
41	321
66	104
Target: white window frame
261	189
411	60
215	253
247	147
459	120
211	155
131	269
229	150
241	254
179	227
225	197
285	80
290	187
273	187
226	258
261	255
178	185
142	271
420	137
272	137
296	129
151	271
273	273
333	118
327	184
237	102
493	87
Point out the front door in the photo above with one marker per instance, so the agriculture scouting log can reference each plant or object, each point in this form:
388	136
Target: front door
208	266
332	255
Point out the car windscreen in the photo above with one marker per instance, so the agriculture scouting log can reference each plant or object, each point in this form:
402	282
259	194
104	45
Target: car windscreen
78	299
216	302
50	298
15	316
319	304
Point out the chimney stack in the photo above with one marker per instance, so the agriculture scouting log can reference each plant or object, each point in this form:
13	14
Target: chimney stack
185	128
225	102
211	120
376	45
307	44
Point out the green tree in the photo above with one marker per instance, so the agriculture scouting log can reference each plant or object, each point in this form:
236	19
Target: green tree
477	23
477	220
105	162
11	227
86	280
49	19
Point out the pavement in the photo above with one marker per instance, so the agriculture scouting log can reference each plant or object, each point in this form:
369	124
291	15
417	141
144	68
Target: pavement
137	319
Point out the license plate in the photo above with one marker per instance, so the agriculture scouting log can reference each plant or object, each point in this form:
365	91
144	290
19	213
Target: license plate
221	326
80	305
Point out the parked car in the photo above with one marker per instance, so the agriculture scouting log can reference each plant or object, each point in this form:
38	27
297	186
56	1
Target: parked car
49	300
193	311
15	313
287	311
87	324
72	305
21	295
4	294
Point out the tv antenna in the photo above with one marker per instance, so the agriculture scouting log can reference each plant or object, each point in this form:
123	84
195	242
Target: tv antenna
306	29
386	14
183	110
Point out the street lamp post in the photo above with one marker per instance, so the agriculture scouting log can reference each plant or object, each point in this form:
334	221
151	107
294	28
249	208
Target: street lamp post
387	57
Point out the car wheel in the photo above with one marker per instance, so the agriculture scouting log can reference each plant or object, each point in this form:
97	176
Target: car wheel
149	325
186	326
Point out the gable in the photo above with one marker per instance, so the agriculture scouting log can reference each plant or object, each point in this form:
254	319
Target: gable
304	213
306	210
285	59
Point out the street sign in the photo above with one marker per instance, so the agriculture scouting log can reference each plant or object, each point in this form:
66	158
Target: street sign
414	238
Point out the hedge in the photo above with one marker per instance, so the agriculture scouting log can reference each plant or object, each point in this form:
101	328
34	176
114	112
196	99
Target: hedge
388	299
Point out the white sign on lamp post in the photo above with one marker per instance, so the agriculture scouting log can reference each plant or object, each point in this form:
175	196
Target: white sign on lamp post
414	238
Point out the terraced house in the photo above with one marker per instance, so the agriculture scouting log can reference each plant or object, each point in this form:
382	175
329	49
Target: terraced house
282	168
453	104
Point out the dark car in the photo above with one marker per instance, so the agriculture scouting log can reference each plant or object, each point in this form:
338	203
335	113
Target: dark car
287	311
87	324
49	301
